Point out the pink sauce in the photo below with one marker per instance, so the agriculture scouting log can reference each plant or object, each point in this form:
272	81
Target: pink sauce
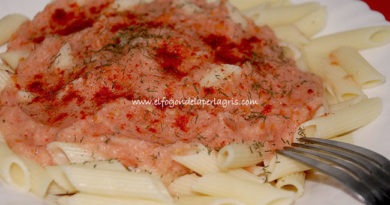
152	51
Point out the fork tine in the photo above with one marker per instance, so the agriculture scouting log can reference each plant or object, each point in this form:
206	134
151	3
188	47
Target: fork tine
320	152
375	163
376	166
380	160
360	169
364	168
361	190
358	166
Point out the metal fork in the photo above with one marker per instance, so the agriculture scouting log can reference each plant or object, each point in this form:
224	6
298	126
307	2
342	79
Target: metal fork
364	172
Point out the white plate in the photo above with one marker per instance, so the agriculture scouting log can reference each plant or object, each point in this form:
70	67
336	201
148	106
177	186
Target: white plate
320	190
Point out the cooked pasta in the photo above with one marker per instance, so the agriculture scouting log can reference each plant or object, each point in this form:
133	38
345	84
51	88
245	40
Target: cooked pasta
354	64
118	184
82	199
13	169
294	181
281	15
239	155
195	200
215	185
343	121
182	186
281	166
65	153
4	77
361	38
12	58
202	161
9	24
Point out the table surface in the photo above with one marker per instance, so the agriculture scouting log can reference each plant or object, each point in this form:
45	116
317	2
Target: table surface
382	6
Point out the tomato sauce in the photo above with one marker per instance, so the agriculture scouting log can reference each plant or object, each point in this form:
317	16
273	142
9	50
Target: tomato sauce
88	63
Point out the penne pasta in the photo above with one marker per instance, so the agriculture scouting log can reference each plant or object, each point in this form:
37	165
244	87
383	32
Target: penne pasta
24	174
13	58
246	175
248	4
40	179
219	74
54	190
2	140
292	35
13	169
347	138
283	201
6	68
85	199
123	5
182	186
294	182
361	38
4	78
293	52
208	200
201	162
332	108
113	165
342	85
283	15
9	24
239	155
256	170
281	166
60	182
338	83
117	183
65	153
312	23
343	121
215	185
355	65
64	59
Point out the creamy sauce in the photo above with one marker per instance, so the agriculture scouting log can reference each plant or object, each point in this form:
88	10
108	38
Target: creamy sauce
88	63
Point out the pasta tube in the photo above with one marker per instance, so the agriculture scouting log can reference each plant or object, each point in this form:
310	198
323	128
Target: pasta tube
4	78
13	58
117	183
182	186
294	181
312	23
65	153
9	24
337	82
201	162
208	200
239	155
342	121
85	199
361	38
281	15
354	64
13	169
281	166
215	185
